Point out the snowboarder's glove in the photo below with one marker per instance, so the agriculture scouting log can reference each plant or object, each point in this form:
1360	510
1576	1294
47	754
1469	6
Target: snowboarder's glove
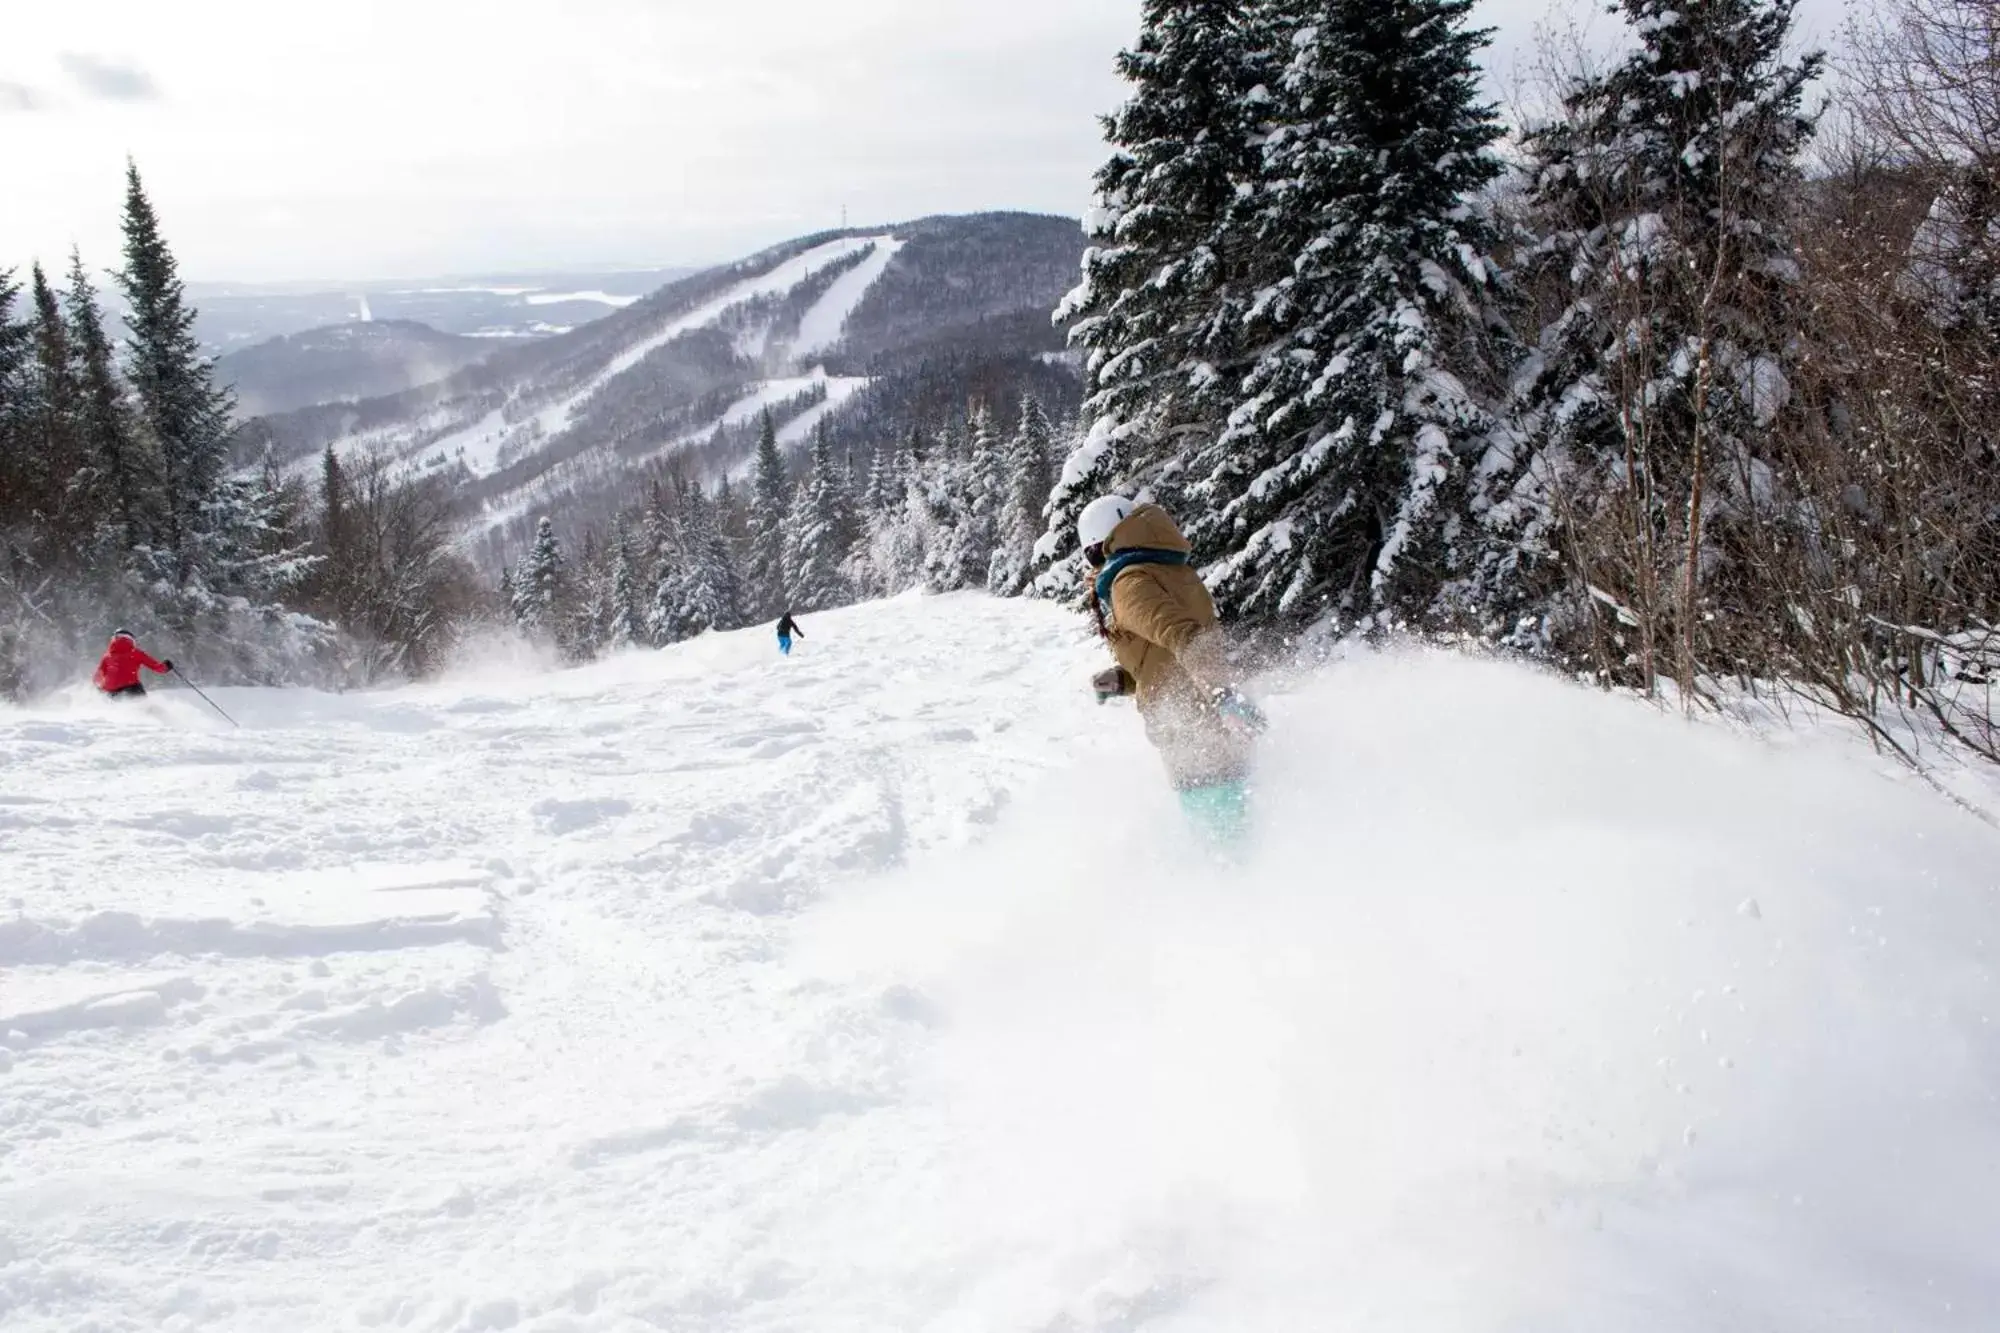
1112	683
1238	711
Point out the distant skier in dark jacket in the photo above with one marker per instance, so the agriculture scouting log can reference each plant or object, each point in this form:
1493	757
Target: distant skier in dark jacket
787	629
118	672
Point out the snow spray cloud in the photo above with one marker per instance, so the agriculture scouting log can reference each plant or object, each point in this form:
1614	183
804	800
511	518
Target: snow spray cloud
1534	1008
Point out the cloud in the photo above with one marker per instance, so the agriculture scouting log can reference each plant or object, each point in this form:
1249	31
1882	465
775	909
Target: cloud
19	97
109	80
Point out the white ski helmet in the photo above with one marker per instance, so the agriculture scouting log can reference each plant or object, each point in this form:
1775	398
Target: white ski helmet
1099	517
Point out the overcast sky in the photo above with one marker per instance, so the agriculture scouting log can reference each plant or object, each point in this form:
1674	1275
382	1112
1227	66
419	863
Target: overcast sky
385	138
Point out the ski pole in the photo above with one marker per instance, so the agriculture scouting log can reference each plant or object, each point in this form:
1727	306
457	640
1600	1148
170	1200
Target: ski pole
205	699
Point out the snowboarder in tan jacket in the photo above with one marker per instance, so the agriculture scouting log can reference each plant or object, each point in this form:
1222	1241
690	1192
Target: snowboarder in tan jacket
1160	623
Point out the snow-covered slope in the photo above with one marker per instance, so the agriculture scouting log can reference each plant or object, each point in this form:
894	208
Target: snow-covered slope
533	416
932	314
880	989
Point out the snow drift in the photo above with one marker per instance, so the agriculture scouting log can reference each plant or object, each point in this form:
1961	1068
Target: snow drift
882	988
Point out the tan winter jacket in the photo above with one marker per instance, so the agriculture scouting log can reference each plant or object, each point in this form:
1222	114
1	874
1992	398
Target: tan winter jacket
1162	628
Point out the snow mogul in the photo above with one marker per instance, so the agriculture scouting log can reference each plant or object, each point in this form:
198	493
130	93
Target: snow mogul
1156	615
118	671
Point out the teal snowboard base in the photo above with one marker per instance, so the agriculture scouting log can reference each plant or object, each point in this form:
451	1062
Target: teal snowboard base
1221	814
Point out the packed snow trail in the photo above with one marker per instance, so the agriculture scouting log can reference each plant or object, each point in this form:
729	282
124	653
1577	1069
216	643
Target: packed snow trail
879	989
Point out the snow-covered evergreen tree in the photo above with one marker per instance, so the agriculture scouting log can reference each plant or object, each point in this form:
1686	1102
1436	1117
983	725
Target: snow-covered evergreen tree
888	558
710	593
62	476
1097	466
15	334
183	412
229	547
770	502
336	583
885	480
1290	317
256	544
59	401
19	483
15	340
16	510
1662	195
732	521
1162	285
1027	480
819	534
1341	484
857	473
129	469
626	625
985	497
541	589
591	611
945	516
665	572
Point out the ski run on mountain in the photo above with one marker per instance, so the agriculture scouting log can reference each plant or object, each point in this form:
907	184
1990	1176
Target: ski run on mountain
870	989
1391	731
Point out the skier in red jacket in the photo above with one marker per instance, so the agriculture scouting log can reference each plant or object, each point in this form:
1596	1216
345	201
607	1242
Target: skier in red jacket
118	673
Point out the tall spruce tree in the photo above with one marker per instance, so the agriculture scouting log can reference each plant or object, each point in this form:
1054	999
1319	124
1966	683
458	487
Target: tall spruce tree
1341	484
129	469
819	534
15	335
770	501
1027	480
884	480
590	610
59	473
943	514
985	495
1662	195
16	557
541	592
627	623
887	559
710	594
666	572
1164	276
178	402
337	581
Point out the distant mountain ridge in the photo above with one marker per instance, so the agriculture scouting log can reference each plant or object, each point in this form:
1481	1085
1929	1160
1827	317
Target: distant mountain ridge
871	330
525	305
359	359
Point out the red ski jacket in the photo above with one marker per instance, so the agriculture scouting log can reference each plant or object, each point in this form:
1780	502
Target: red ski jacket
120	667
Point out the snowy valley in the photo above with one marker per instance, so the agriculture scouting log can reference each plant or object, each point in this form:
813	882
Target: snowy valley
878	989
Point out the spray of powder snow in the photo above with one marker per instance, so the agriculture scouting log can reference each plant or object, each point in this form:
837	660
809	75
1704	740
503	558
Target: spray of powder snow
1532	1009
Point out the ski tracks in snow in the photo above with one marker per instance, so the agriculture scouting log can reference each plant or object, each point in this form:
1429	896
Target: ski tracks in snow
375	1013
881	988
